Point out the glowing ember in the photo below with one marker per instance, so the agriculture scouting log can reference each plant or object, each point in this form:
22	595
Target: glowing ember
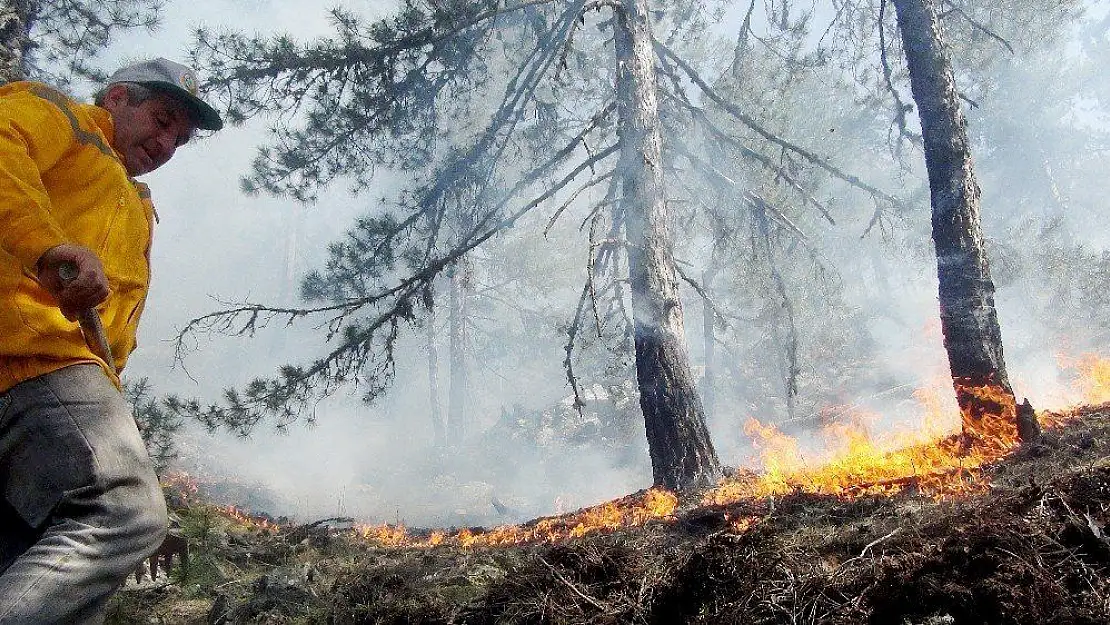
741	524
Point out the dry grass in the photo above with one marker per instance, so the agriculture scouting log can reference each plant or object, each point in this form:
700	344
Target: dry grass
1033	549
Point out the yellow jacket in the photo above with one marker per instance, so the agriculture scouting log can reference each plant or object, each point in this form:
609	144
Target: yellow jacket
61	182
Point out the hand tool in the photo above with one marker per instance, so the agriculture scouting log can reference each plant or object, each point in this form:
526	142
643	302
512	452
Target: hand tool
91	325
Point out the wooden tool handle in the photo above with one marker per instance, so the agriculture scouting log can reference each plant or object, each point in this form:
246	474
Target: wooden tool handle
91	325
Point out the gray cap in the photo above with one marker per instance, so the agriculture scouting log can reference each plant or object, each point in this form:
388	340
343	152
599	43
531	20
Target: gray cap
173	79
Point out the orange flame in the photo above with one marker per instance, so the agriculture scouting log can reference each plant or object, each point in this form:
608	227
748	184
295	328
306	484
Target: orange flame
1090	385
182	485
855	463
1094	378
627	512
384	535
248	521
741	524
932	460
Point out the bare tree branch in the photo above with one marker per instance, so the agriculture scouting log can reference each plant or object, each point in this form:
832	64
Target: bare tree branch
979	25
900	107
791	355
700	290
592	182
716	173
568	361
762	159
786	145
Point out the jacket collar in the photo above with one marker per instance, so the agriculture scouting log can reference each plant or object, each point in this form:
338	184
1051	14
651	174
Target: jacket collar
102	118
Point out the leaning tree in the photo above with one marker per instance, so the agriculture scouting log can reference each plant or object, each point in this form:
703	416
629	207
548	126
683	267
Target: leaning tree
969	320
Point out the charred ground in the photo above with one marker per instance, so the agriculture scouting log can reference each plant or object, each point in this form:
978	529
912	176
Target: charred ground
1032	548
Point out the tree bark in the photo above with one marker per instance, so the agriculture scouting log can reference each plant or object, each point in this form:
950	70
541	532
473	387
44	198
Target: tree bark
15	22
439	432
709	341
968	317
789	343
682	455
458	399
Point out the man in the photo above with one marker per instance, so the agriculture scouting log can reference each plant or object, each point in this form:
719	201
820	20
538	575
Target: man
80	506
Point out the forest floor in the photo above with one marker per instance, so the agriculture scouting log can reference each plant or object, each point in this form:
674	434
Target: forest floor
1032	547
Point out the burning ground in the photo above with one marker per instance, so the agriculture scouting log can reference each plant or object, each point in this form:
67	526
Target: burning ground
1019	539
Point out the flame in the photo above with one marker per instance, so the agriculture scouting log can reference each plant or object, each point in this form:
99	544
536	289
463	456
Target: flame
938	407
185	490
629	511
741	524
1089	384
856	463
384	535
248	521
1093	382
991	413
942	456
181	485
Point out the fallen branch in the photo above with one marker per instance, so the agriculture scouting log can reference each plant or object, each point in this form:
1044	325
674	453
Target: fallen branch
592	601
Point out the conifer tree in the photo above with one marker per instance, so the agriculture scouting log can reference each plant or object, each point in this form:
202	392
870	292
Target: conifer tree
969	320
158	426
575	105
56	40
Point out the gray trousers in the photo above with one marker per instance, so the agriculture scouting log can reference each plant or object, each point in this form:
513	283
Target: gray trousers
80	506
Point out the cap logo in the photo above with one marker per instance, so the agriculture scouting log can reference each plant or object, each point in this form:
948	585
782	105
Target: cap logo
189	81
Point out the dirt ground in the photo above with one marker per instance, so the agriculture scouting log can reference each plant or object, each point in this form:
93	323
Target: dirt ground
1032	548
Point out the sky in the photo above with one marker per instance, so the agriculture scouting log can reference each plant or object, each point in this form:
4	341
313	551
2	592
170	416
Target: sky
213	245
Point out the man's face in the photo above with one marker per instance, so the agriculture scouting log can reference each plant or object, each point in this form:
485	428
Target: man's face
147	134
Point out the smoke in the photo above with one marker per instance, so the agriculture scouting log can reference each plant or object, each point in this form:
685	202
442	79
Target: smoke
866	308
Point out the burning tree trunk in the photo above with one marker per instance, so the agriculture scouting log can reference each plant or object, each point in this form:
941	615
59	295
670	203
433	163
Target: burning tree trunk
969	320
682	455
14	40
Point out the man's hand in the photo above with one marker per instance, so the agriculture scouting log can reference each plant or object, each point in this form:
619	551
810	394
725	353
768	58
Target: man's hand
85	291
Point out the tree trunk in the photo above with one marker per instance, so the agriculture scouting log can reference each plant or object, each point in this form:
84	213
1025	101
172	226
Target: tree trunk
439	432
15	41
709	341
968	317
682	455
458	413
789	343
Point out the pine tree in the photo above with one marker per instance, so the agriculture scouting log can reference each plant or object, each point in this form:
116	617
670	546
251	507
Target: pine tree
408	93
157	425
57	40
969	320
